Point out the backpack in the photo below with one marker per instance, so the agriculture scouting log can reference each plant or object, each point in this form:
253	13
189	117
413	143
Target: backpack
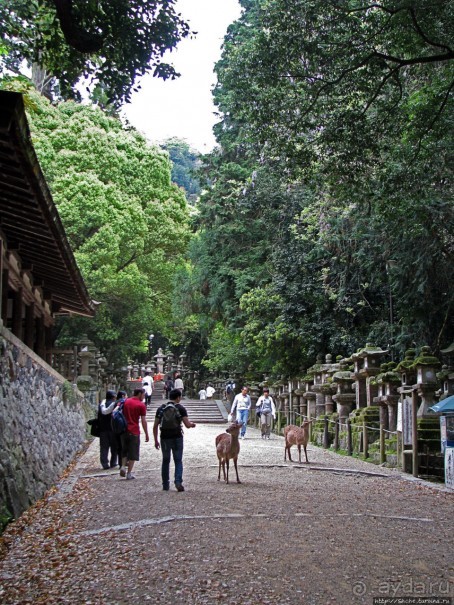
119	424
228	389
170	418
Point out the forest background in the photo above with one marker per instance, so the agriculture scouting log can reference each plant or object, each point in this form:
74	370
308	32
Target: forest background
322	220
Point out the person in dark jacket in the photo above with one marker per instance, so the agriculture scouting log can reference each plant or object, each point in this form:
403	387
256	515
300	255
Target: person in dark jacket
107	438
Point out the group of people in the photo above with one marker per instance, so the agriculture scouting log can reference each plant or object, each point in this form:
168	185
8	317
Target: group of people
265	409
207	392
170	384
125	448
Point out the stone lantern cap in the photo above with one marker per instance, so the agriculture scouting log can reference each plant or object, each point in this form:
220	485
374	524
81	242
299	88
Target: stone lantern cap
426	358
408	362
369	351
343	376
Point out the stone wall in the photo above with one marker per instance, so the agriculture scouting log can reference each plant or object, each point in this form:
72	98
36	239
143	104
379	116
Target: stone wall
42	425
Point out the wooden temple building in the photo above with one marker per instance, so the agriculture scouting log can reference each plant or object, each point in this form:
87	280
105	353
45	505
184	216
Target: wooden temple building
39	275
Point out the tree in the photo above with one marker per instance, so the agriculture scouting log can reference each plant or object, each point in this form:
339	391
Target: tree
335	163
109	43
185	162
326	80
125	220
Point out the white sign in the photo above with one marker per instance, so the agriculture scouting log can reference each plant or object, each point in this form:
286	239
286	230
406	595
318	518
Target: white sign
407	426
449	467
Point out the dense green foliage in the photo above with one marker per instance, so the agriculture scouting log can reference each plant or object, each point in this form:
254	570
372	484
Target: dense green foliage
329	220
126	222
109	43
185	162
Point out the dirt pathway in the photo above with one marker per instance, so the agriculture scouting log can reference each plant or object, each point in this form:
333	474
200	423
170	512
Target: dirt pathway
335	531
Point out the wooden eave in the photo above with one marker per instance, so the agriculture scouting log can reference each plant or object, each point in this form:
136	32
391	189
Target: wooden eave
29	220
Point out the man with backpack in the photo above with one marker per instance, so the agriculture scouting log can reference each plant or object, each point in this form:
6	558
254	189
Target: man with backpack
133	410
169	417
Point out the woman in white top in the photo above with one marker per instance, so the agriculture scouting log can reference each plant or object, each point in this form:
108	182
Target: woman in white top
267	409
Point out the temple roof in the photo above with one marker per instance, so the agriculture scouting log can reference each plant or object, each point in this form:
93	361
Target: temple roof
29	221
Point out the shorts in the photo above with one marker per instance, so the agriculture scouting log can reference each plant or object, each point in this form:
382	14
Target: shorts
130	446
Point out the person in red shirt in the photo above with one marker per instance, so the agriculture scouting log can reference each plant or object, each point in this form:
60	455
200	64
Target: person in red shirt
134	410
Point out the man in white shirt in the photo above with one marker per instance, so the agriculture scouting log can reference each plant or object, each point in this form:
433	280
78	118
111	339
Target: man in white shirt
210	391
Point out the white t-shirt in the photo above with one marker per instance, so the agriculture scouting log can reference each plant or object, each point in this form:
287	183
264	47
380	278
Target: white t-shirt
210	391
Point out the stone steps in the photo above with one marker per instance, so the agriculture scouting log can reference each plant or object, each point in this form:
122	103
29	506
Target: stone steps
206	412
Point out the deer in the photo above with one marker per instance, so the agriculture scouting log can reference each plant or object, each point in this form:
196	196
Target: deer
296	435
228	448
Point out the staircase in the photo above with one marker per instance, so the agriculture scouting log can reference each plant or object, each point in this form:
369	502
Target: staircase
209	411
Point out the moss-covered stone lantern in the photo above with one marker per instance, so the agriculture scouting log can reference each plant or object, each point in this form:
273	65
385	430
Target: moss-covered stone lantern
345	396
367	367
388	397
426	366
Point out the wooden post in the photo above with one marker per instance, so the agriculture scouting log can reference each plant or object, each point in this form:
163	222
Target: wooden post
325	433
382	444
336	434
365	442
16	327
349	437
414	437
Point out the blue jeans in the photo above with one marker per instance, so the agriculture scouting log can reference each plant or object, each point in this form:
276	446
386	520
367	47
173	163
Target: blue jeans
174	447
242	416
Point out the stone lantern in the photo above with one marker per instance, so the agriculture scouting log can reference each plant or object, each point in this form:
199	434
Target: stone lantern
345	396
367	367
159	361
446	379
406	369
317	372
388	396
309	395
426	366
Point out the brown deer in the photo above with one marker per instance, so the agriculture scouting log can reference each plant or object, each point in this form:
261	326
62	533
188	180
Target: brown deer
228	448
296	435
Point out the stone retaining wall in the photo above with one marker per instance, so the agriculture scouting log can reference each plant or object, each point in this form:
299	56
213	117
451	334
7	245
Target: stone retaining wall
42	425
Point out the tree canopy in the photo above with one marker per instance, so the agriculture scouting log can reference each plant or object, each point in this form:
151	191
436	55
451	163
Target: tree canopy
125	220
327	219
109	43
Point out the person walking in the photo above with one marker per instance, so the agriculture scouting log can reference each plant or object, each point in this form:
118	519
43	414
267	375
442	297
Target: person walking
210	391
267	411
147	384
242	405
169	417
178	384
202	394
121	398
134	410
168	386
107	438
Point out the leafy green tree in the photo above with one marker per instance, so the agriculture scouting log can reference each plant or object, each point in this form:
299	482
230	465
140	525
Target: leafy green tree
110	43
125	220
334	159
185	162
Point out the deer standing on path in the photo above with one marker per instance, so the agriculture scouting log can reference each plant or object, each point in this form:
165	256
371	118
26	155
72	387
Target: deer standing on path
228	448
296	435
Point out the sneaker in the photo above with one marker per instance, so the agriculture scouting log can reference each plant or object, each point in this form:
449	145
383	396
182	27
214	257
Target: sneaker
180	487
105	467
130	476
122	471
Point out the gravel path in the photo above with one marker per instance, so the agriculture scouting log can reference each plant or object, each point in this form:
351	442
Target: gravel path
337	530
